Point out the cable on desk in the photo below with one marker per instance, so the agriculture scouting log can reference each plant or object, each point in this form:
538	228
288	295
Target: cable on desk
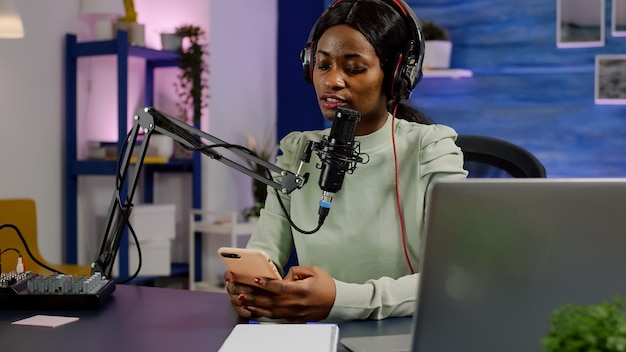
30	254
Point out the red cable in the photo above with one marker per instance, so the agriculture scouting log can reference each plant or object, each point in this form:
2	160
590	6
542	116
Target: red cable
398	205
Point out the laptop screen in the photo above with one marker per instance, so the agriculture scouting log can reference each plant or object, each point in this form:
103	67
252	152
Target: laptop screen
499	255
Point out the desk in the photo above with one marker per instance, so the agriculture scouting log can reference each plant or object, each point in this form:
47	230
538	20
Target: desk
213	223
140	318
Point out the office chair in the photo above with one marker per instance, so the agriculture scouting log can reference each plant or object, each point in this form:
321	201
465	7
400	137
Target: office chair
22	214
488	157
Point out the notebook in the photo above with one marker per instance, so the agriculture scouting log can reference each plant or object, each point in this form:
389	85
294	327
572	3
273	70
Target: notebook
499	255
282	338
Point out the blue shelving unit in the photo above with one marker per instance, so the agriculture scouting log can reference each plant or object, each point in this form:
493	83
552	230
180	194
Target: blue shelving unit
75	168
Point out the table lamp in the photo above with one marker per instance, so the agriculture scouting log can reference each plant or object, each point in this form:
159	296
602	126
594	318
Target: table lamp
103	13
10	20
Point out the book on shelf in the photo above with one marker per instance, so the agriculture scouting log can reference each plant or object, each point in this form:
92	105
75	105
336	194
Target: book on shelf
102	150
150	159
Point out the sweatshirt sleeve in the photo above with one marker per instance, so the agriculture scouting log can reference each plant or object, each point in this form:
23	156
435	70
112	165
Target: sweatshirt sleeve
375	299
439	155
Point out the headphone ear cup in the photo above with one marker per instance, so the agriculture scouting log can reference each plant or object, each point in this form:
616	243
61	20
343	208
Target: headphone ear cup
407	73
395	83
307	61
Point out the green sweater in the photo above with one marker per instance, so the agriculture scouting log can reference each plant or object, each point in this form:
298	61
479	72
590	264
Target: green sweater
360	243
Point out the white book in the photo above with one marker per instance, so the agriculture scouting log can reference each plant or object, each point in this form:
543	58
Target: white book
282	338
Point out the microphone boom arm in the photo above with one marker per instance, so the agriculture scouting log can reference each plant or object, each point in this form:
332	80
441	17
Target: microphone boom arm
149	120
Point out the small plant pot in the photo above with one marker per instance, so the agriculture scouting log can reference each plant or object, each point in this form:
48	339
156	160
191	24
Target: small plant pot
437	54
171	42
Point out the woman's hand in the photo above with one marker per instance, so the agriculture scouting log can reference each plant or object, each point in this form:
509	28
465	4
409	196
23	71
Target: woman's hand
236	291
307	293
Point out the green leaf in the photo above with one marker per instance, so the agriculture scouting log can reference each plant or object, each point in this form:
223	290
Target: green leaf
577	328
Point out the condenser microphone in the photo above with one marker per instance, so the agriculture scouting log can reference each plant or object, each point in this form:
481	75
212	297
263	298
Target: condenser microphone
338	154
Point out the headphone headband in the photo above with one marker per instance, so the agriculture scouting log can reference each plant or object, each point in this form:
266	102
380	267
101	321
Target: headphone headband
408	67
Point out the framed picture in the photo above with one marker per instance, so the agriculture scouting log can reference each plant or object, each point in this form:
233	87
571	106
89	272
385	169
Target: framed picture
610	80
618	18
580	23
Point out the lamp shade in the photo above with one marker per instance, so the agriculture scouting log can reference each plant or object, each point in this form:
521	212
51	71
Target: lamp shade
102	7
10	20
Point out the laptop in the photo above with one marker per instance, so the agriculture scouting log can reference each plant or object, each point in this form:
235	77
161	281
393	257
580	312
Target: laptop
499	255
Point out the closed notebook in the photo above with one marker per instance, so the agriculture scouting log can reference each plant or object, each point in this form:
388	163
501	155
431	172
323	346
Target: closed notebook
282	338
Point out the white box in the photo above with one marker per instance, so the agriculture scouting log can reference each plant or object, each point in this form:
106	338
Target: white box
153	222
156	259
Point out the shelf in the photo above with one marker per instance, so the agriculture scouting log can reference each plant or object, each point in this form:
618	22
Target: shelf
463	73
112	47
541	70
510	70
447	73
105	167
122	50
204	223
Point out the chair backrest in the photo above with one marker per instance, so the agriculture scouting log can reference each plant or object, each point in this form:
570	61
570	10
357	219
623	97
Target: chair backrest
22	213
488	157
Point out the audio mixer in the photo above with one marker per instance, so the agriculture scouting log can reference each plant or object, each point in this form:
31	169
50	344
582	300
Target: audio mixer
29	291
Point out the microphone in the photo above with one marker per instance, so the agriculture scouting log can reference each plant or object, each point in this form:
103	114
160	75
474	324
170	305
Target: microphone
338	155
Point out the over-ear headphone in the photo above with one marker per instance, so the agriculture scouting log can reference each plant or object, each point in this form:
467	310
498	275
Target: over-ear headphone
408	64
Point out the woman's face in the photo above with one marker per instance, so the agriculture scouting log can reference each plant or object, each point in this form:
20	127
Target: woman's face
348	73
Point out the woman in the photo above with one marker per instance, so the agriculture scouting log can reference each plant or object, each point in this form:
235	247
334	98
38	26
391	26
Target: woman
363	261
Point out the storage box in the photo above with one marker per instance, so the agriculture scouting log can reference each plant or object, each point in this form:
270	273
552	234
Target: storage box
155	227
156	258
154	222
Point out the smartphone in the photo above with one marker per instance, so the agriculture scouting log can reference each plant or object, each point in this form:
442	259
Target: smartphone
248	264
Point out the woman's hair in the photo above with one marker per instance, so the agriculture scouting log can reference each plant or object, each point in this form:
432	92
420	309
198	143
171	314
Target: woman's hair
386	30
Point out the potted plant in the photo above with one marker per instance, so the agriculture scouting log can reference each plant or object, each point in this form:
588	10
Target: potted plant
438	47
192	84
578	328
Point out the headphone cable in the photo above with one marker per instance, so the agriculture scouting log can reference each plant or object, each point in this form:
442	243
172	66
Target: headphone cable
398	203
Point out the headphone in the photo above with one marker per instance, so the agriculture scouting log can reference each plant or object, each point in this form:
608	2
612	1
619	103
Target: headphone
408	63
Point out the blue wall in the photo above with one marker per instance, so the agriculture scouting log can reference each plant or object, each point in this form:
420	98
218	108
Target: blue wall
297	106
524	89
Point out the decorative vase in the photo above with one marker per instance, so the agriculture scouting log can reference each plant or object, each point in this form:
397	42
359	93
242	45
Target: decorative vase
136	32
171	42
437	54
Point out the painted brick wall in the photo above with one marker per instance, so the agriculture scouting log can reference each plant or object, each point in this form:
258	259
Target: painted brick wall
524	90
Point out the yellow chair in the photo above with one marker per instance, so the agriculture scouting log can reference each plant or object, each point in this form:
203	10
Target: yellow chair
22	214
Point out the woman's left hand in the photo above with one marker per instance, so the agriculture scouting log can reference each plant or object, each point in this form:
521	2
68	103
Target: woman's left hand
307	293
